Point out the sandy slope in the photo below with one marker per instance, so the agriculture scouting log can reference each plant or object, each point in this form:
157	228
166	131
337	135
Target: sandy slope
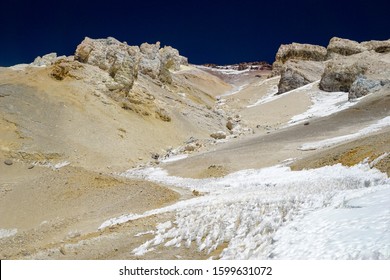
44	122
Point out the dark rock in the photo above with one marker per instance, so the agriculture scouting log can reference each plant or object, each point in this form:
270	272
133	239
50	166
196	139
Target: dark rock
155	156
339	76
8	162
229	125
218	135
295	74
363	86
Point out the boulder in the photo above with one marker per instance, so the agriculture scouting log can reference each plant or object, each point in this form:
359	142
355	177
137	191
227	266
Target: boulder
340	75
124	62
298	52
296	73
46	60
363	86
301	52
218	135
118	59
345	47
171	59
230	124
150	51
377	46
150	67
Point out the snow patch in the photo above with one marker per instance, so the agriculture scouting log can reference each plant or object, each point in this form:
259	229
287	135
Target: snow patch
271	95
234	91
224	71
52	165
174	158
144	233
324	104
336	140
7	232
378	159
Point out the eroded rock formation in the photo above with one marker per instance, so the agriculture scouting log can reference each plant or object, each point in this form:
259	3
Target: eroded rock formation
124	62
345	65
297	73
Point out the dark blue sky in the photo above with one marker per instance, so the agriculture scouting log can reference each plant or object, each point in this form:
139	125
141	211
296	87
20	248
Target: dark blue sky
219	32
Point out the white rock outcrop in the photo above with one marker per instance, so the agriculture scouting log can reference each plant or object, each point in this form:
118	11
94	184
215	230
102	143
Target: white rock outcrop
124	62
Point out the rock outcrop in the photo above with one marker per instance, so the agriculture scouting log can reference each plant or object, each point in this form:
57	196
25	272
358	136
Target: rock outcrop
363	86
296	73
298	65
357	68
301	52
340	75
46	60
358	74
124	62
345	47
377	46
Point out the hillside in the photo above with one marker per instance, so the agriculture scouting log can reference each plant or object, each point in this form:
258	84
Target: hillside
127	152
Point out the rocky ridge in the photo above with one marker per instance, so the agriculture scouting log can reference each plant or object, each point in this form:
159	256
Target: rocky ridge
124	62
345	65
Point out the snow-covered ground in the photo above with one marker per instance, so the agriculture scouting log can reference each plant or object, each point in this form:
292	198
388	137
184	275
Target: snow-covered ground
333	212
324	104
352	231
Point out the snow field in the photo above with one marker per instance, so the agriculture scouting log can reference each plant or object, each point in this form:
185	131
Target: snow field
380	124
250	212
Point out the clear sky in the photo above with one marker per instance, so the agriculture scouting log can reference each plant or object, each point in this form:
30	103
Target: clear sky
219	32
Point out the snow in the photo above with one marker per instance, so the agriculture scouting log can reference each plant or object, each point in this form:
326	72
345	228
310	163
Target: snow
61	164
271	95
234	91
51	165
7	232
378	159
144	233
324	104
352	231
225	71
174	158
385	122
258	213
